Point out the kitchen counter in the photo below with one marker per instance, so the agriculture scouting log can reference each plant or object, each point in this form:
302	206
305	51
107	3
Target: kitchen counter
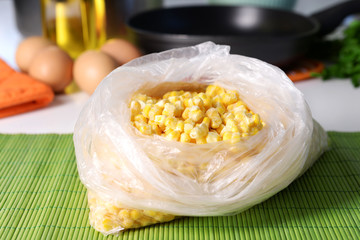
334	104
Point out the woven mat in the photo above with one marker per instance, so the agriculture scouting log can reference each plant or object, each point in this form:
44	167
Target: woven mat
41	197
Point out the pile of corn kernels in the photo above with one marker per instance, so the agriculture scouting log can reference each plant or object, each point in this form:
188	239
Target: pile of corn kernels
195	117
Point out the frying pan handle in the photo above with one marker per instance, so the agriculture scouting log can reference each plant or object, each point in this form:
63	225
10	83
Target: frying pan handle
332	17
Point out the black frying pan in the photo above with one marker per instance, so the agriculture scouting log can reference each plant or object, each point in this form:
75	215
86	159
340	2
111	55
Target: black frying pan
275	36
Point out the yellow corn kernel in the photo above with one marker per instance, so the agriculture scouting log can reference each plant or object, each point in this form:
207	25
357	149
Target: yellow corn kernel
135	214
127	223
146	110
227	135
213	90
196	114
180	126
219	107
173	135
256	118
150	213
199	131
155	110
179	108
197	101
231	97
228	116
185	114
169	109
213	137
171	122
124	214
206	121
231	125
145	129
173	99
155	127
239	116
160	120
135	108
201	140
220	128
188	126
140	118
214	116
216	100
150	101
184	137
108	224
238	105
170	94
244	127
161	103
206	100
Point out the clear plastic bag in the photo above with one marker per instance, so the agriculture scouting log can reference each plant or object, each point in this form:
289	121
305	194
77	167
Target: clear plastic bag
126	169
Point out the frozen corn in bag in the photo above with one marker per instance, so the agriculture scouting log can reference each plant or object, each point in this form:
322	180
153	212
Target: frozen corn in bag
192	131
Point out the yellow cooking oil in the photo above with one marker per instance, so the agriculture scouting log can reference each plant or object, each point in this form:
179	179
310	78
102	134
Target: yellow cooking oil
74	25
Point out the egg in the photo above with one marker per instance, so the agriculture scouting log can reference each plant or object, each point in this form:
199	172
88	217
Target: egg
52	66
28	49
121	50
90	68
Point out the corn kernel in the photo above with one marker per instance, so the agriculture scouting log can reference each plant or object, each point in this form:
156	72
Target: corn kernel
155	110
146	110
228	116
140	118
135	108
199	131
196	114
145	128
206	100
160	120
220	128
197	101
173	135
173	99
231	125
180	126
185	114
161	103
214	115
135	214
169	109
171	122
230	97
213	90
227	135
184	137
206	121
188	125
213	137
124	213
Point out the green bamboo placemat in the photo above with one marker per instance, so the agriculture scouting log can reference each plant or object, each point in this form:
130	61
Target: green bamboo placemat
41	197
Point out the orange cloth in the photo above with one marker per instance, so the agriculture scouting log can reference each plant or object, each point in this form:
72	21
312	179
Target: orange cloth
21	93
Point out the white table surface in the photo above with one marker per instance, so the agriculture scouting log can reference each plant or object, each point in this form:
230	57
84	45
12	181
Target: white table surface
334	104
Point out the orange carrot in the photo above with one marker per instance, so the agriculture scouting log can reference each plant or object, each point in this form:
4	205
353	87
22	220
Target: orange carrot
21	93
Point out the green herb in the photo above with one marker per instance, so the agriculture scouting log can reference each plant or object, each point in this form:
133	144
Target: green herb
347	64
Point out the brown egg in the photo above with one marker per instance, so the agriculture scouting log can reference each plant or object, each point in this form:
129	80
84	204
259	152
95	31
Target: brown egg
121	50
28	49
90	68
52	66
